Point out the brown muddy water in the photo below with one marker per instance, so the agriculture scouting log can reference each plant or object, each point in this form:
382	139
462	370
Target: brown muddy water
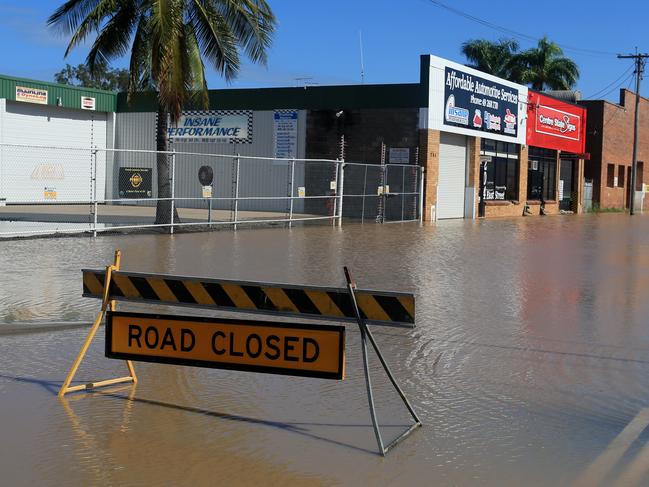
529	365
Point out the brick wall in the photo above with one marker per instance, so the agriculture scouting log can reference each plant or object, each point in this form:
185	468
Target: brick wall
429	158
610	141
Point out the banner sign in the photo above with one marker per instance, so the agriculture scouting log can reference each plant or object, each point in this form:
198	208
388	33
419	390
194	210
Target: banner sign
285	133
135	182
466	101
479	104
555	124
31	95
253	346
213	126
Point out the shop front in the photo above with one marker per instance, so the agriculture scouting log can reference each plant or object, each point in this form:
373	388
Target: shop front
556	150
473	131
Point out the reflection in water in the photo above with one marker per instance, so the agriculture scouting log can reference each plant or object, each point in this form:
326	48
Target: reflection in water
528	365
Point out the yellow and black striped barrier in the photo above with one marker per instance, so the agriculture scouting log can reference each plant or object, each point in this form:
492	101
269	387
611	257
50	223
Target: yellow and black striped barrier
379	307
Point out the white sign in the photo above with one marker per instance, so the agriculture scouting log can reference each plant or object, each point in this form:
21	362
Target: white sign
301	192
31	95
399	155
87	103
560	189
469	102
207	191
210	127
285	134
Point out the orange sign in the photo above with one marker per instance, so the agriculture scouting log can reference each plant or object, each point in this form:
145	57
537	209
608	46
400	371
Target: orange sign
255	346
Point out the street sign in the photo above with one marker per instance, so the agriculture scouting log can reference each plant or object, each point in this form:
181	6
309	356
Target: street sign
379	307
253	346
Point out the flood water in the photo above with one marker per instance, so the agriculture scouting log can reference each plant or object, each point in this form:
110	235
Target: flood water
529	364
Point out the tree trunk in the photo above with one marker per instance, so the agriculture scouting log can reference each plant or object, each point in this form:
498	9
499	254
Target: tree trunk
163	165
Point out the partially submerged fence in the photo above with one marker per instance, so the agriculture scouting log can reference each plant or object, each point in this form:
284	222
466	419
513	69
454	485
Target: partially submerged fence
48	190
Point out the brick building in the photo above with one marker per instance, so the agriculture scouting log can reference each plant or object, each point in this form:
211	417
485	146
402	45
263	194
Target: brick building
610	144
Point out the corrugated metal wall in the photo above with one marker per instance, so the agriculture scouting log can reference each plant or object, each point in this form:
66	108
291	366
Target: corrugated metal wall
257	178
70	96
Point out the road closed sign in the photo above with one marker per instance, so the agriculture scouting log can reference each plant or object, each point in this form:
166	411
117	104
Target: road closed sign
253	346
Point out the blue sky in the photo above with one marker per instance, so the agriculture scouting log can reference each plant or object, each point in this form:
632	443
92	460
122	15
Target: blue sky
320	39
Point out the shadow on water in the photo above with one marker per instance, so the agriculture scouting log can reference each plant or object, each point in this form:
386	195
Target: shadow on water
52	387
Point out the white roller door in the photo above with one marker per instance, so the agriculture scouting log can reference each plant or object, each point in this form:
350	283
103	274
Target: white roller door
452	175
58	173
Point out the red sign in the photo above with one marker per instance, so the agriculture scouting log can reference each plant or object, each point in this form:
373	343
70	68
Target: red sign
555	124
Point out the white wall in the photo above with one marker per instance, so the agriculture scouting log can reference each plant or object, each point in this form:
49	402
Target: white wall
42	166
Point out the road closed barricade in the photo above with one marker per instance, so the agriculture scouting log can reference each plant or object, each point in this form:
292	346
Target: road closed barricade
287	348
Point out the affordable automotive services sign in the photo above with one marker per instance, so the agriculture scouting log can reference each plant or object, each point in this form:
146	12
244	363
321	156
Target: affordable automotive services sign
555	124
466	101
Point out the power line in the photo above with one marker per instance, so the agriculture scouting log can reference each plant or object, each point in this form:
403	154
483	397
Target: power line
617	83
512	32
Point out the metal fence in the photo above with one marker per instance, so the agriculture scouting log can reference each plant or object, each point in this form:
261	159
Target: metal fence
51	190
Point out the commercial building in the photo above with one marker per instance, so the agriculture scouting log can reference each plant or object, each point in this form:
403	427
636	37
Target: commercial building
34	113
610	143
489	147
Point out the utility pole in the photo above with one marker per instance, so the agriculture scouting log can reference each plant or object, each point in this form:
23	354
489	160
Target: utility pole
639	68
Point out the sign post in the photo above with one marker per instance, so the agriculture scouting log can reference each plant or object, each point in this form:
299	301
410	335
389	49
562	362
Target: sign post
206	177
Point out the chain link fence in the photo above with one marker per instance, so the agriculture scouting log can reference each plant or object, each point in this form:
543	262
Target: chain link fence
54	190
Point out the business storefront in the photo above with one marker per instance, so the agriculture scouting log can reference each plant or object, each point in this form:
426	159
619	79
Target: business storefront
556	141
473	131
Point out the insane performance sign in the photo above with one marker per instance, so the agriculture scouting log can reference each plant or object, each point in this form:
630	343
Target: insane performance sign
479	104
255	346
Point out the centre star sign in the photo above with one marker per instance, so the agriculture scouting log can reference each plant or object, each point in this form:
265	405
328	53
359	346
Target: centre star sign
555	124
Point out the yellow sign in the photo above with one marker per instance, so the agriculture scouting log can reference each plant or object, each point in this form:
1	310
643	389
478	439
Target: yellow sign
136	180
207	191
49	193
31	95
254	346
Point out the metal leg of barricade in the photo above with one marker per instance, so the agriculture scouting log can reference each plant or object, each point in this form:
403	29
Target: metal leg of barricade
366	334
106	304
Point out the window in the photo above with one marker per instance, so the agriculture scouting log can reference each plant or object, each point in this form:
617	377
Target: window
610	175
542	174
502	169
620	176
639	176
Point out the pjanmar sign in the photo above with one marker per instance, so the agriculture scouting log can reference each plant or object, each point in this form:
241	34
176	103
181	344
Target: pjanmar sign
555	124
466	101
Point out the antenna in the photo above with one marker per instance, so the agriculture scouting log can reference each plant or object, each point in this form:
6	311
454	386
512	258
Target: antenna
360	40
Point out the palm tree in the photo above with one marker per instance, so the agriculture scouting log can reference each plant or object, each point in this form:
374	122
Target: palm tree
168	42
496	58
545	67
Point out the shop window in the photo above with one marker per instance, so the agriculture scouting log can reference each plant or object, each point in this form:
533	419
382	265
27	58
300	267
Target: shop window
620	176
610	175
502	170
542	174
639	176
